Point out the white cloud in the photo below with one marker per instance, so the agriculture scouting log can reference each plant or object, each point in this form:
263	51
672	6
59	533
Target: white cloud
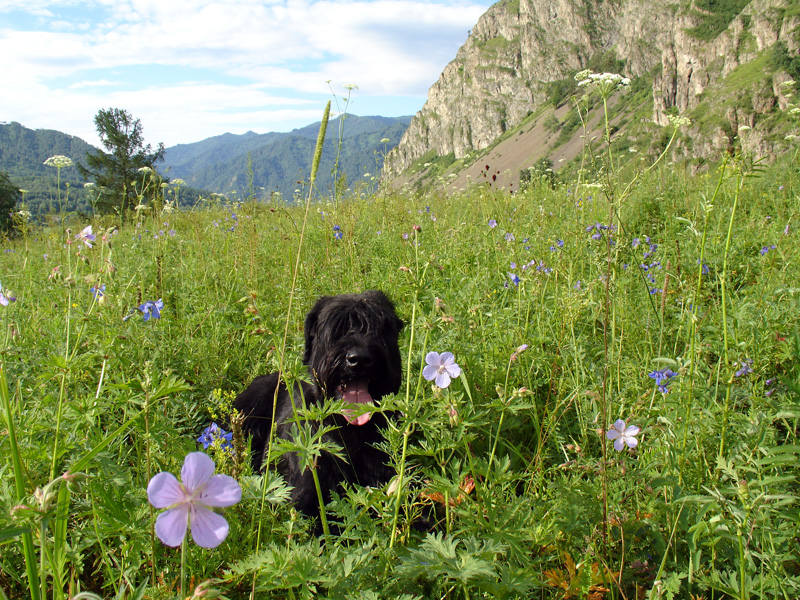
277	50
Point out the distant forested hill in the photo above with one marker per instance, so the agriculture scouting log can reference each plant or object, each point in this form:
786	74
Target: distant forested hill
279	160
221	164
22	155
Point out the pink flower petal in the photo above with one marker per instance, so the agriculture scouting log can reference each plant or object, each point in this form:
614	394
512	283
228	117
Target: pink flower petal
632	430
612	434
197	470
171	525
221	490
164	490
632	442
619	444
447	358
209	529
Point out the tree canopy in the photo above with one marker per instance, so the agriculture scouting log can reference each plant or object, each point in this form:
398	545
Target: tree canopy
9	195
115	171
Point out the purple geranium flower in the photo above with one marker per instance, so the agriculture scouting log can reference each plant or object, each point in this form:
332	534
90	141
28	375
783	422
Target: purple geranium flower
514	278
190	502
440	368
662	378
623	436
492	223
152	309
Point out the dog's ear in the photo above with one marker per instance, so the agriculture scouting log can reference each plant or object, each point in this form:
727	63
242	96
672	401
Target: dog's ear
311	327
381	298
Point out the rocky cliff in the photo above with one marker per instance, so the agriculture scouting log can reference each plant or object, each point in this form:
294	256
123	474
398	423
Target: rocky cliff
522	52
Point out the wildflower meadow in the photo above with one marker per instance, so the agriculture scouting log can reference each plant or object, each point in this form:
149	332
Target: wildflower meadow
600	399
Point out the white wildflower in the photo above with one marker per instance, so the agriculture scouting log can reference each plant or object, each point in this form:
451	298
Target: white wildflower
59	161
679	121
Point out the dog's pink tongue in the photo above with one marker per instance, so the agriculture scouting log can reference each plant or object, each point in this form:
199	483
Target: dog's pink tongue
356	393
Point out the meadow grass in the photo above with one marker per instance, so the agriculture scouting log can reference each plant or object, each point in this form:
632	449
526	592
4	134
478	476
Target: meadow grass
558	303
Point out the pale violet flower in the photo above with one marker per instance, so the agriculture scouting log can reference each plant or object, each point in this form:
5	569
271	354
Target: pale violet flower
86	236
4	300
440	368
623	436
189	502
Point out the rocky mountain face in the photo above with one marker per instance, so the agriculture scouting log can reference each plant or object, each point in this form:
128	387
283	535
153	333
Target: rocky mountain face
522	51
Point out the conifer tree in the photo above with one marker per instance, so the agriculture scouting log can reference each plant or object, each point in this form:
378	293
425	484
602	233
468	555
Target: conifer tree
115	171
9	195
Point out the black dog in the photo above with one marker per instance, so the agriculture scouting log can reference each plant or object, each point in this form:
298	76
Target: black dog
352	354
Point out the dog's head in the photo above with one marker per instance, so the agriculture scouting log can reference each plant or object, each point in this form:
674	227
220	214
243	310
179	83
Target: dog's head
352	349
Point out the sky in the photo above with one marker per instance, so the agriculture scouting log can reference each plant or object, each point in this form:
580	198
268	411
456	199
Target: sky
193	69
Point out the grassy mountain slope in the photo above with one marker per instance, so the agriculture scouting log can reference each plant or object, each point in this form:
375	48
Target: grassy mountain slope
748	109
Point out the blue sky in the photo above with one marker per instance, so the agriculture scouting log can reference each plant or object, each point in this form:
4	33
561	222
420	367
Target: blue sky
192	69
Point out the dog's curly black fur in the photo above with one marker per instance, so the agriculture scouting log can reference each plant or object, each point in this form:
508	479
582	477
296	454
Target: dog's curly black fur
351	349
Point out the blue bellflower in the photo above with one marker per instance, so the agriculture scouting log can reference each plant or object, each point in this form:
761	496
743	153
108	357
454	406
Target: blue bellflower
152	309
214	432
662	378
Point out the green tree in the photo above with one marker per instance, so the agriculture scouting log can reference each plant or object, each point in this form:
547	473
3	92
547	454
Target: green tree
9	195
115	171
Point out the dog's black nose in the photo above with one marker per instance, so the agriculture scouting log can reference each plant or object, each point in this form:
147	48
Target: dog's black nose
358	357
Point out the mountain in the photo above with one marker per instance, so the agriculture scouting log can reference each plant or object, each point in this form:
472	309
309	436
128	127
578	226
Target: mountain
722	63
276	162
22	155
218	164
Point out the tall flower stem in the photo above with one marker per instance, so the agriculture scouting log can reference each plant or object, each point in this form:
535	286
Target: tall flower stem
707	207
183	570
407	432
724	300
314	168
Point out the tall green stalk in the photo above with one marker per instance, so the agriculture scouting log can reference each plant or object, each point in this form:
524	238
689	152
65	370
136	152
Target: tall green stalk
724	299
314	168
28	550
406	433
